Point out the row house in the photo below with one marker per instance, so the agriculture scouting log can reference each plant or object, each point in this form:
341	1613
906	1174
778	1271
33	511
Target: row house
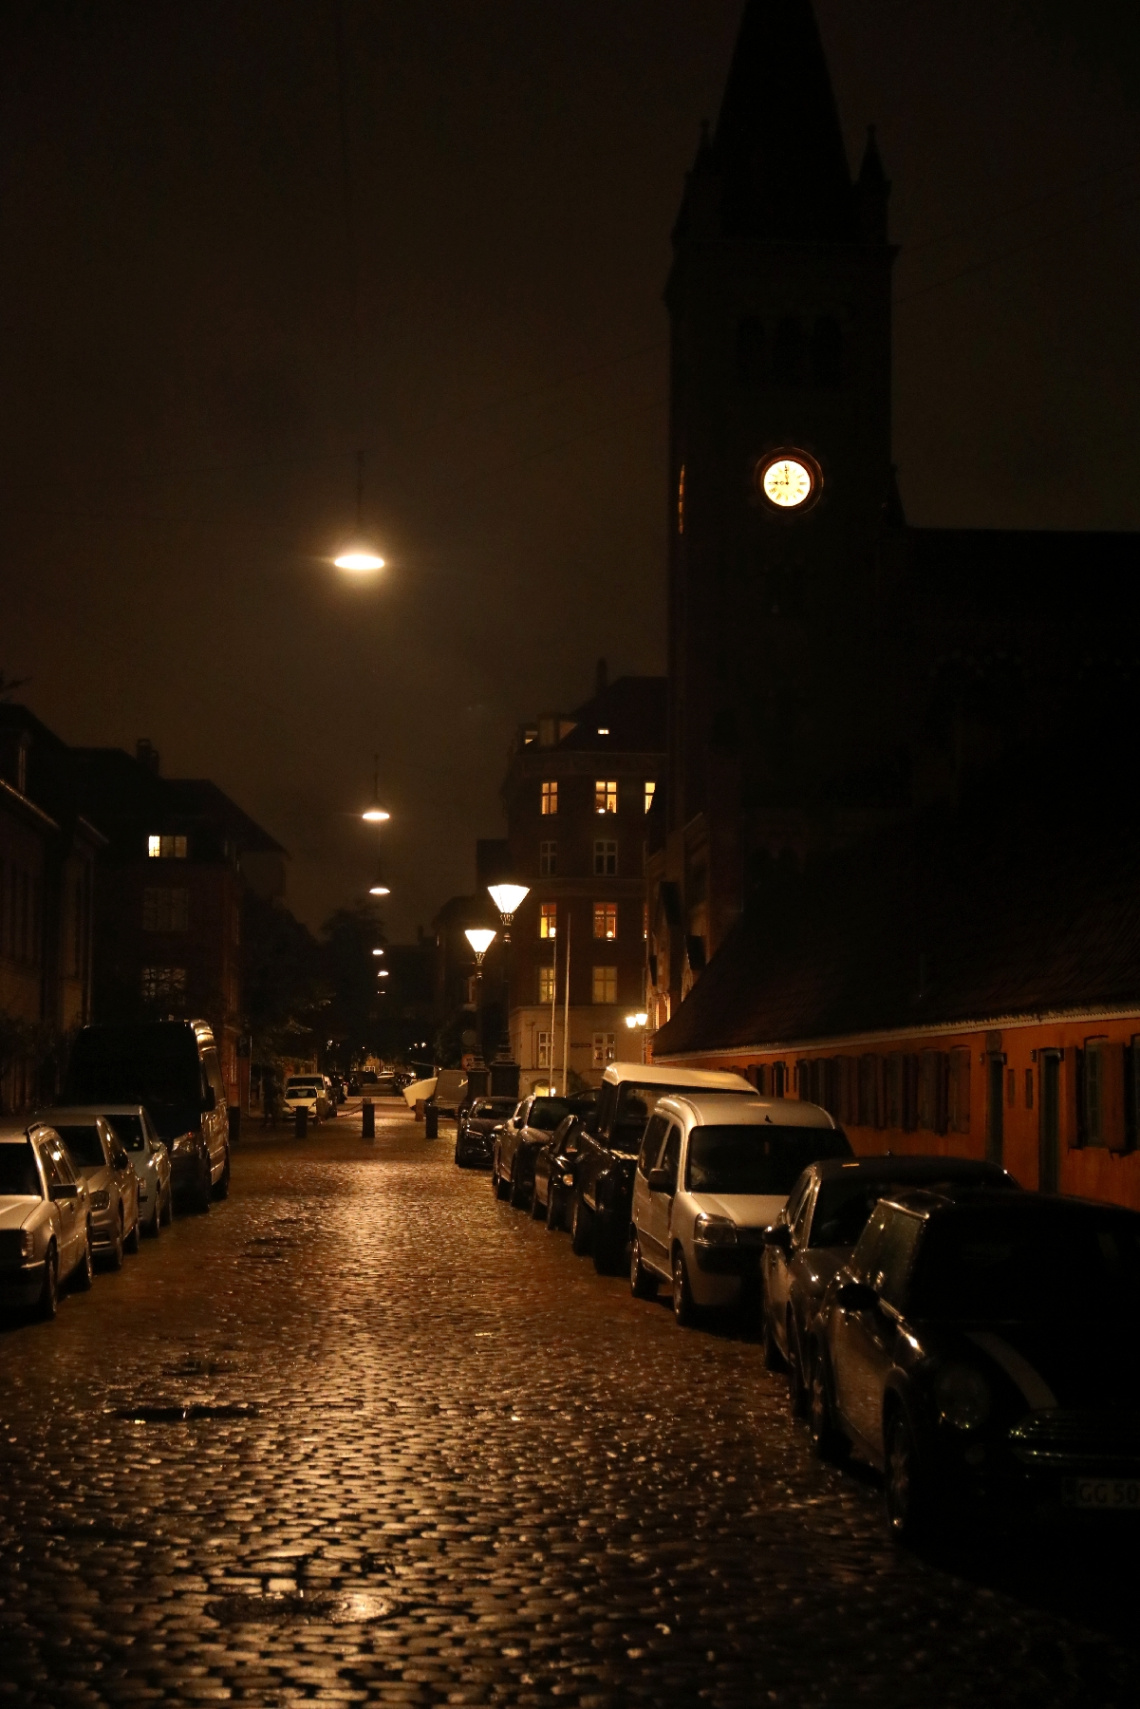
48	850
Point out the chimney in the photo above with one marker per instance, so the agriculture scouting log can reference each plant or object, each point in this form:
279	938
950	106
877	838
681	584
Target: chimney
601	680
147	754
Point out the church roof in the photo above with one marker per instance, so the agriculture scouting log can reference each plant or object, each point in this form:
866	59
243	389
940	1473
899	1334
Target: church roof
778	145
996	915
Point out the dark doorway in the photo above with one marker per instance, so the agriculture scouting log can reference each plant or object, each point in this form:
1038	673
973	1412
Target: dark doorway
995	1108
1049	1132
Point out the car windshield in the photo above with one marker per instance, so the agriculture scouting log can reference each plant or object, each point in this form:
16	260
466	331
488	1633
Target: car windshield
546	1113
84	1145
1058	1261
18	1176
757	1159
130	1131
844	1205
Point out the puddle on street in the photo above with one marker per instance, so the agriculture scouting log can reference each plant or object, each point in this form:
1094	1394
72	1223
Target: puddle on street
186	1414
345	1608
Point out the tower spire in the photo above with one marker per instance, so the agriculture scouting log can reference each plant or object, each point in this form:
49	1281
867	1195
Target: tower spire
778	144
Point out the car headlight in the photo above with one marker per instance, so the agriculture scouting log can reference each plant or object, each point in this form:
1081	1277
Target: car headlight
100	1200
963	1397
715	1231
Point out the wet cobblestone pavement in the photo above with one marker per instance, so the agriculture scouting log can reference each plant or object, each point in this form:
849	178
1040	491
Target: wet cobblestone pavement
363	1435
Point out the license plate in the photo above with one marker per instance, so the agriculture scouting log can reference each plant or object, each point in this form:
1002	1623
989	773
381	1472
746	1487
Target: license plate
1102	1495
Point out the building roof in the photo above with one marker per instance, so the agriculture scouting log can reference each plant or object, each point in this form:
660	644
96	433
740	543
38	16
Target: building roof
626	716
119	791
1000	914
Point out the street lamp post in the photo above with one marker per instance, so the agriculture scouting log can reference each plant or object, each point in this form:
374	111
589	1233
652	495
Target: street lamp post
480	938
637	1022
508	899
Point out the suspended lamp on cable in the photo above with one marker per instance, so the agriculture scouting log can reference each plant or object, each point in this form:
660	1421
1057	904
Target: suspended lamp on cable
358	554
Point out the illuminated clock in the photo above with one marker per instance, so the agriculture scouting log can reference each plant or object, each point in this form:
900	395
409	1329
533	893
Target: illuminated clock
789	480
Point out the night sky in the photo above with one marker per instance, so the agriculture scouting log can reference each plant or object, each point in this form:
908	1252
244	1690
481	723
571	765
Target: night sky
184	391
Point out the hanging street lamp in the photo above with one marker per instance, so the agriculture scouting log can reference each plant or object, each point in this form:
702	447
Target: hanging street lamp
357	555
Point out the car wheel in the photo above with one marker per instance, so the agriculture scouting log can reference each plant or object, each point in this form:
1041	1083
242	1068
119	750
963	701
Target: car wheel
909	1491
85	1273
797	1384
684	1311
773	1358
49	1297
555	1214
222	1190
520	1198
581	1227
827	1440
205	1191
642	1282
119	1245
131	1243
609	1246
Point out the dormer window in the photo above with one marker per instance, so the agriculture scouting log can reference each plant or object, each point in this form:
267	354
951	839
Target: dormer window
166	848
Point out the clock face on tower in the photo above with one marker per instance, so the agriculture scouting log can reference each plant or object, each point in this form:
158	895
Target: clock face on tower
789	480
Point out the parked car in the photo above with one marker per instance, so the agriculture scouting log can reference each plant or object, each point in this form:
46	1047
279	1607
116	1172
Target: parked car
555	1163
150	1160
518	1141
980	1349
603	1177
97	1155
172	1069
713	1172
45	1221
474	1128
814	1234
308	1092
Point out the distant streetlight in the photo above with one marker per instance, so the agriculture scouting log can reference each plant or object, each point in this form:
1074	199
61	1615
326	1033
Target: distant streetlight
480	938
358	555
383	973
640	1019
378	952
379	890
508	899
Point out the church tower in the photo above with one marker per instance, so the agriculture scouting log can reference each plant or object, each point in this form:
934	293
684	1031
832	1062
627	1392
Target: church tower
781	480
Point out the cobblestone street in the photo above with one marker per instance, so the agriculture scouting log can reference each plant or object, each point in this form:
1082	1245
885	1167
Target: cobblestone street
365	1435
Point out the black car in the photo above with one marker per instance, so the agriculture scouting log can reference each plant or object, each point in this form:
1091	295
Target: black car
603	1177
812	1238
554	1165
981	1350
474	1128
518	1141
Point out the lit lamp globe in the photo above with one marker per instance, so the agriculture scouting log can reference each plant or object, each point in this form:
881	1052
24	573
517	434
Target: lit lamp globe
640	1019
375	816
480	939
379	890
358	559
508	899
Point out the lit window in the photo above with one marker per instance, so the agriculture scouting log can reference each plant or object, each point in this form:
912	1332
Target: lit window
605	796
605	858
550	797
603	729
163	983
548	920
165	910
546	984
603	1049
166	848
547	859
544	1051
604	985
605	919
650	792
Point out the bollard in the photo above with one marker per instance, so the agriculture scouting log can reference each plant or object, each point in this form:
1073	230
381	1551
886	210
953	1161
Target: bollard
300	1122
431	1120
368	1119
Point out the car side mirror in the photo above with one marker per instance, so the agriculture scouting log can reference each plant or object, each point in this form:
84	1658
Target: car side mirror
64	1190
857	1296
660	1180
779	1237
